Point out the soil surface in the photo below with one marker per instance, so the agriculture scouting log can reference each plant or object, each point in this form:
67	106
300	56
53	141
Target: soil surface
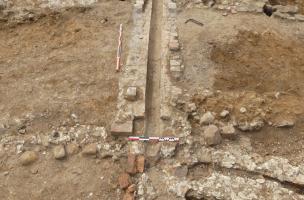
59	70
255	63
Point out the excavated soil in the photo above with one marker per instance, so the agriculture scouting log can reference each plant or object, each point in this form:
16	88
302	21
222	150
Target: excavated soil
59	70
261	62
256	65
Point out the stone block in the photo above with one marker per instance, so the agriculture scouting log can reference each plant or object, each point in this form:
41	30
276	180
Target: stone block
122	129
174	45
174	62
172	7
175	68
131	93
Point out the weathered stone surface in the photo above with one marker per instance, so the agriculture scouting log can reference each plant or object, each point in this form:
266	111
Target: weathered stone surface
131	93
207	118
28	158
131	164
220	186
255	125
123	129
140	163
212	135
90	150
299	17
124	180
285	123
59	152
228	132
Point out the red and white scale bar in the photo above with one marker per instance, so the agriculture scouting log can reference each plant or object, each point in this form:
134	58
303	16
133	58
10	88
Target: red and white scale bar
158	139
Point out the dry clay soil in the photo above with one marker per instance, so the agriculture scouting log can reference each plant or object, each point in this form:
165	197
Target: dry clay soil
61	64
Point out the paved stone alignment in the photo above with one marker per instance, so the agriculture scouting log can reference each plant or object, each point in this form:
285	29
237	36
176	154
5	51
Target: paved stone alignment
207	105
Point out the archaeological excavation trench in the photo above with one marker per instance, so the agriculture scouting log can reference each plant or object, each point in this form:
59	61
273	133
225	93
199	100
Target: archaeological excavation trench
221	76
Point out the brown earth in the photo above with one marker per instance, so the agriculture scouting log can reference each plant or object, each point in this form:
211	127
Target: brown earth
256	65
60	64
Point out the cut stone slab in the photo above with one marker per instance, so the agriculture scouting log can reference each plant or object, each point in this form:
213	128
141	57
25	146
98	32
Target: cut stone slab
131	93
90	150
122	129
59	152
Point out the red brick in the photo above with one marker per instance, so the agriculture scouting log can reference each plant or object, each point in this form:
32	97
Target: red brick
140	163
131	164
124	180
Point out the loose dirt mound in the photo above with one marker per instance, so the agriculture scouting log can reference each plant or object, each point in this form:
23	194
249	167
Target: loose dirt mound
262	62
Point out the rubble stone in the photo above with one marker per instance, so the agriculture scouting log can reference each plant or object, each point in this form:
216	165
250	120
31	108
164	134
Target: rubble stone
228	132
224	113
207	118
28	157
124	180
212	135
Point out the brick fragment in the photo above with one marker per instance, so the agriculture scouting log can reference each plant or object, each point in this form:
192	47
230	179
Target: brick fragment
124	180
140	163
128	196
131	164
